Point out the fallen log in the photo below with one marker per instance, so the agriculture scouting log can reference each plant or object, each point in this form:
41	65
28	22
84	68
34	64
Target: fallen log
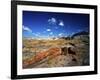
51	53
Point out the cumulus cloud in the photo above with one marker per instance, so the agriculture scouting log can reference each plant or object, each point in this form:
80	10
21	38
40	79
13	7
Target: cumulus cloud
61	23
60	34
27	29
48	30
52	20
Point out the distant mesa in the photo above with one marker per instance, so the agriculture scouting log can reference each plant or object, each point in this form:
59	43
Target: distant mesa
80	34
76	35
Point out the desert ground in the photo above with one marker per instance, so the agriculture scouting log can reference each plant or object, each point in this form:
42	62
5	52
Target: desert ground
55	53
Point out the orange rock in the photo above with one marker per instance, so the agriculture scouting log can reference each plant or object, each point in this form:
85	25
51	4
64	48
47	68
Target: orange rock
52	52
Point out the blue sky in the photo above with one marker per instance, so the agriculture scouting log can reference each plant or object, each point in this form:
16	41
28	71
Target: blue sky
51	24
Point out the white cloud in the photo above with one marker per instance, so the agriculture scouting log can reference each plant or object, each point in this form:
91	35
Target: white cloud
61	23
27	29
61	34
51	33
52	20
48	29
34	34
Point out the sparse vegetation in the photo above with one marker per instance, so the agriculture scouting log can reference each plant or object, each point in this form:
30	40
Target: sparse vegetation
42	53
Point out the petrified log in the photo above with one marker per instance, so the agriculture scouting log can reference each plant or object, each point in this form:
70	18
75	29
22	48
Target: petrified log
51	53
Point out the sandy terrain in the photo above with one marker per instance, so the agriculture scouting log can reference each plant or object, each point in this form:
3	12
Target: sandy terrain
48	53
